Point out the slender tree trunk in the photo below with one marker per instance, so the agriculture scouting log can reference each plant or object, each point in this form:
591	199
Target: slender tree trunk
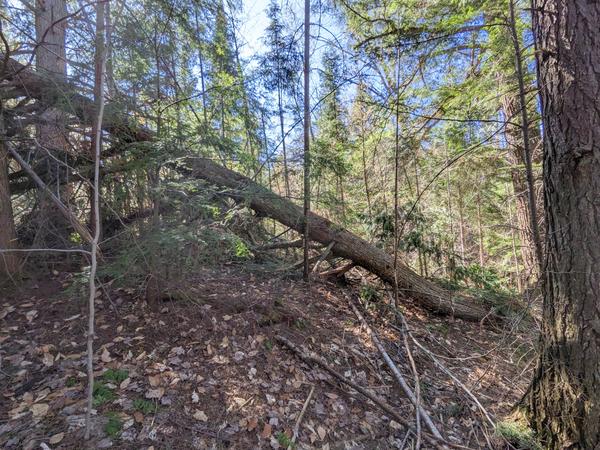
564	398
515	156
286	176
527	151
306	210
201	66
480	227
461	223
10	262
100	65
365	174
511	224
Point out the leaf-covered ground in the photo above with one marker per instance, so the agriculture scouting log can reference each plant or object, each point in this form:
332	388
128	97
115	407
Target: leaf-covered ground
203	368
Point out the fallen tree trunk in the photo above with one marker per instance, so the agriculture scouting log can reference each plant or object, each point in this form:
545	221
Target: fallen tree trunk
346	244
262	200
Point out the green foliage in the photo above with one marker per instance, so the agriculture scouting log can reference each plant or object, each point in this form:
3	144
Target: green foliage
102	394
518	434
115	376
71	381
369	295
114	425
268	345
175	249
284	440
144	406
300	324
480	277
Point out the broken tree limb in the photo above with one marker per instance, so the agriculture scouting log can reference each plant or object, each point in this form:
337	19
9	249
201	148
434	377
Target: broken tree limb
312	358
300	417
338	271
298	243
76	224
347	245
323	257
394	369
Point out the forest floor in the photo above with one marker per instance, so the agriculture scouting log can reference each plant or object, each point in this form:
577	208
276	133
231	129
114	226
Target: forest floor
206	371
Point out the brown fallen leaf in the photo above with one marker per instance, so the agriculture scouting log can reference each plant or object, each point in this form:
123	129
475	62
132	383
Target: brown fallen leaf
200	415
155	393
105	357
48	359
56	438
154	380
267	431
125	383
322	433
39	409
252	424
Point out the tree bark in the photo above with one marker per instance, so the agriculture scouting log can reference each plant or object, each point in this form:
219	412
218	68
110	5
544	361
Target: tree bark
347	244
10	263
51	61
564	398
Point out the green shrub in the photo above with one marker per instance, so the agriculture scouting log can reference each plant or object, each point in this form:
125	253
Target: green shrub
518	434
116	376
144	406
284	440
114	425
102	394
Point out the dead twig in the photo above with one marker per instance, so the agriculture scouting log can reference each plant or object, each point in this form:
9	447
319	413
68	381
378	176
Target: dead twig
323	256
65	211
312	358
396	372
300	417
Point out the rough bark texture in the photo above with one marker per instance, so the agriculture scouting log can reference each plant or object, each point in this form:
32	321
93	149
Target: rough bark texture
347	244
51	61
564	398
9	262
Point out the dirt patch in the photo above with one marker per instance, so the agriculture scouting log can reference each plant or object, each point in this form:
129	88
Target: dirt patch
203	370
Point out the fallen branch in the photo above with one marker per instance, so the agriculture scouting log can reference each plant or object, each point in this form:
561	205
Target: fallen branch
300	417
456	381
312	358
399	378
338	271
281	245
323	256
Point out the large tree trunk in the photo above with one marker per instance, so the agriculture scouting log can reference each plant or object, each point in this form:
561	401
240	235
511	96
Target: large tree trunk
50	30
565	394
347	245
